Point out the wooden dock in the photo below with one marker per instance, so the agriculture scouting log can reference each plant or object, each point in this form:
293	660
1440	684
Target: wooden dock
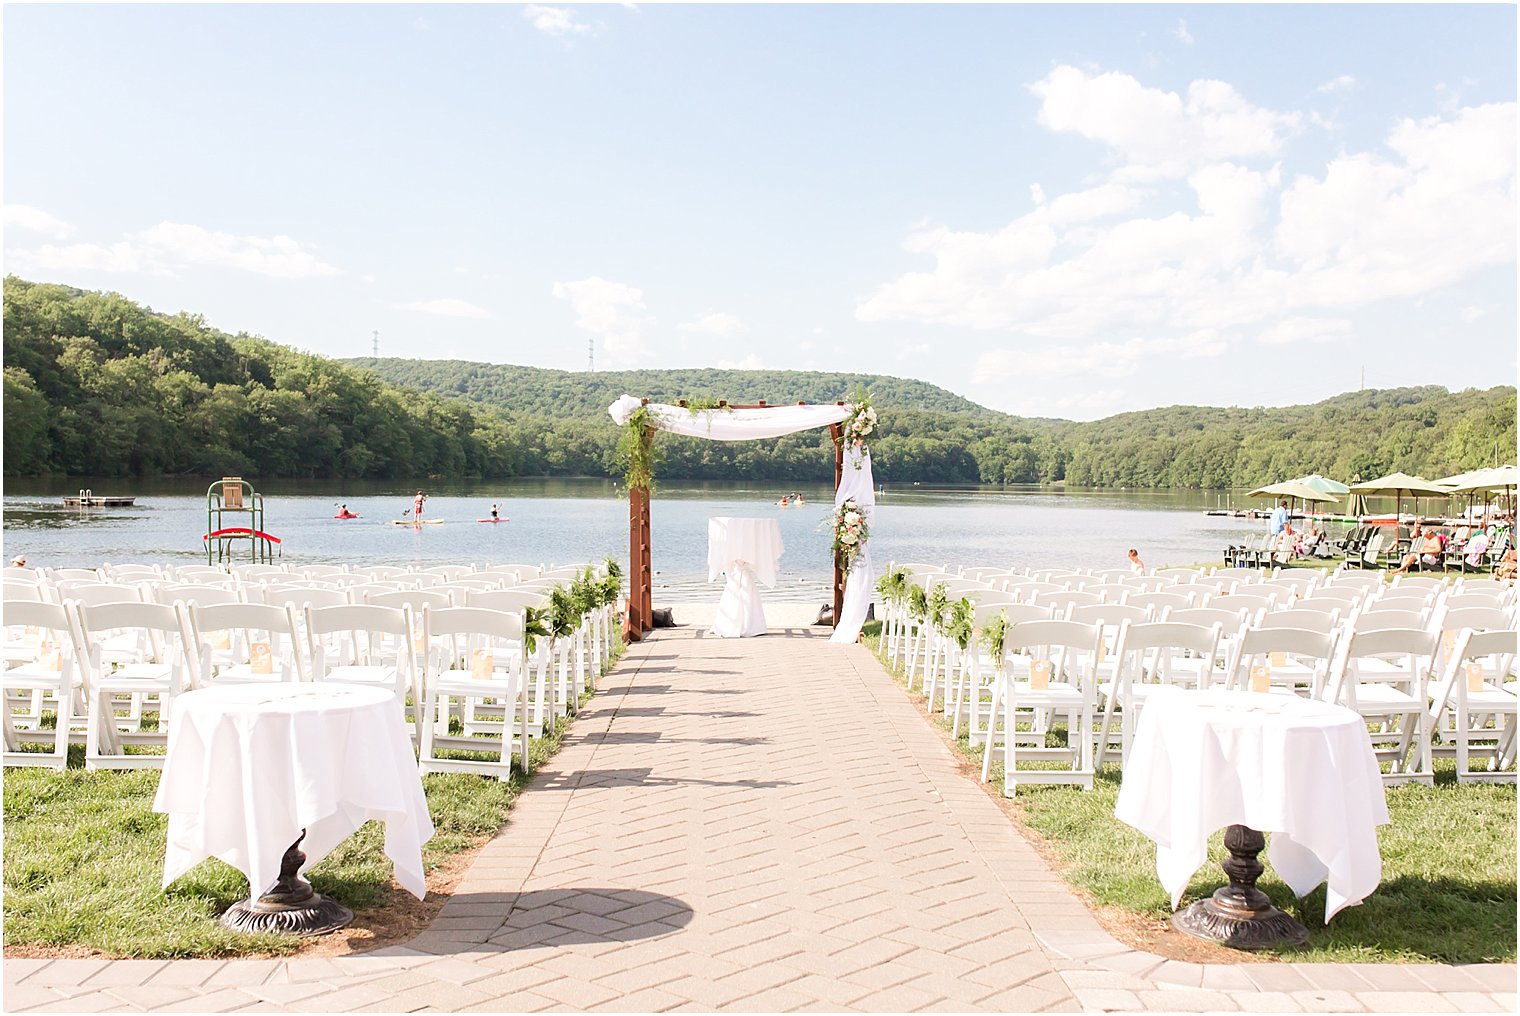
98	501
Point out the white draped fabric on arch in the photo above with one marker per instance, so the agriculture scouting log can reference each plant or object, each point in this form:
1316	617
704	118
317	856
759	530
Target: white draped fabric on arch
753	423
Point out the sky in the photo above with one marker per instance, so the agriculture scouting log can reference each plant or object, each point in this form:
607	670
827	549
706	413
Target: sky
1062	210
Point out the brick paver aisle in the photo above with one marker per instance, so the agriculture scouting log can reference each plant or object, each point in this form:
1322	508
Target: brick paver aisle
760	825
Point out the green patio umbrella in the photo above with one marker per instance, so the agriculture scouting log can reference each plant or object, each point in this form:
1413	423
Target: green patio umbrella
1324	484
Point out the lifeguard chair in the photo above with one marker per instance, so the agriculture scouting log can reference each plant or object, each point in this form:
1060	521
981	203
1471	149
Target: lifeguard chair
233	494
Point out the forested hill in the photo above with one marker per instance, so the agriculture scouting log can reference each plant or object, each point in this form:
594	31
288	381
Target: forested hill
537	391
98	385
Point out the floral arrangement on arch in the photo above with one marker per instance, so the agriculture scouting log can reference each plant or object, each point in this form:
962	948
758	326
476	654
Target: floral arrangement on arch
850	530
860	424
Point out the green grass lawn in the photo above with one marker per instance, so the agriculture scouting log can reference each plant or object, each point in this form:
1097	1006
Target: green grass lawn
1448	888
84	858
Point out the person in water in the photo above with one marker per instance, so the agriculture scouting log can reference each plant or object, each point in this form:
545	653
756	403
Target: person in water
495	512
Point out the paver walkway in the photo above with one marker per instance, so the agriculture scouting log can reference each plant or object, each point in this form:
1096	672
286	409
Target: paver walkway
755	825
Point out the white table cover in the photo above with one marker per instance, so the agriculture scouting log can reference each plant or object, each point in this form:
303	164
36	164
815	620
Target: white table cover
1301	770
748	551
250	766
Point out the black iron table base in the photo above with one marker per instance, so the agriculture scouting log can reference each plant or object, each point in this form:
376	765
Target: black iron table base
1240	915
291	907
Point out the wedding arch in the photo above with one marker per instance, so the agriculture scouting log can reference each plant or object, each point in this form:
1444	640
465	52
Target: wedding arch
849	423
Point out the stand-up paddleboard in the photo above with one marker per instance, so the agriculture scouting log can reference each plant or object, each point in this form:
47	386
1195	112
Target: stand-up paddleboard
416	522
493	520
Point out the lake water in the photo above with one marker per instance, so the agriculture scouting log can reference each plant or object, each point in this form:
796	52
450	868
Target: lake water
564	521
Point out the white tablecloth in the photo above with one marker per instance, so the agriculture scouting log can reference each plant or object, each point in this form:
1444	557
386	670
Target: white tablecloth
250	766
748	551
1300	770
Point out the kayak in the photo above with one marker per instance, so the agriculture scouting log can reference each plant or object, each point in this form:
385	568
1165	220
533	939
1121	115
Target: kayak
416	522
350	515
493	520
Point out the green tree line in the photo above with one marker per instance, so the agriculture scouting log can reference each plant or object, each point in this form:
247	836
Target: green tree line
98	385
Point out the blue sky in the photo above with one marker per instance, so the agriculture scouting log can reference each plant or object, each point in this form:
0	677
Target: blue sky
1059	210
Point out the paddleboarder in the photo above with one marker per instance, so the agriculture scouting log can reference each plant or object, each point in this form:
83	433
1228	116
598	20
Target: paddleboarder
417	506
495	512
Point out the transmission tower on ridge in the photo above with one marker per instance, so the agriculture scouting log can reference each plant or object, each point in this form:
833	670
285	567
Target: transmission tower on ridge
591	355
375	348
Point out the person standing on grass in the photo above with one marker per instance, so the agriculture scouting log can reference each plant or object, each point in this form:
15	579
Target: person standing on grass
1279	519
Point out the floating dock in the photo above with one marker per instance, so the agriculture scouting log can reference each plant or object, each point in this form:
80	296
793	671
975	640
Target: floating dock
90	499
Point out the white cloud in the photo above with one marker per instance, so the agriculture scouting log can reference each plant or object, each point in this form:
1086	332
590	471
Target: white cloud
612	310
35	220
1099	359
167	246
1230	248
1305	329
1337	84
279	257
750	362
554	20
85	257
721	325
446	307
1374	228
1161	133
1472	314
1182	33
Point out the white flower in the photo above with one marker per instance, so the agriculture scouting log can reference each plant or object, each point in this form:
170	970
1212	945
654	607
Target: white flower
847	538
851	517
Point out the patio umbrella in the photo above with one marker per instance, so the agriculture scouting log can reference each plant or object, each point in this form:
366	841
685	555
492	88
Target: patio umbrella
1494	480
1324	484
1396	485
1294	489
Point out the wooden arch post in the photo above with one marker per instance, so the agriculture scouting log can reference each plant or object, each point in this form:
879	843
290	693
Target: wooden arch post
639	617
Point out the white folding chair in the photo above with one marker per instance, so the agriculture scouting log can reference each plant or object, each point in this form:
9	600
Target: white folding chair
46	656
1063	651
246	642
1305	618
191	592
1148	656
364	644
482	661
1289	660
159	669
1394	695
975	681
1477	687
